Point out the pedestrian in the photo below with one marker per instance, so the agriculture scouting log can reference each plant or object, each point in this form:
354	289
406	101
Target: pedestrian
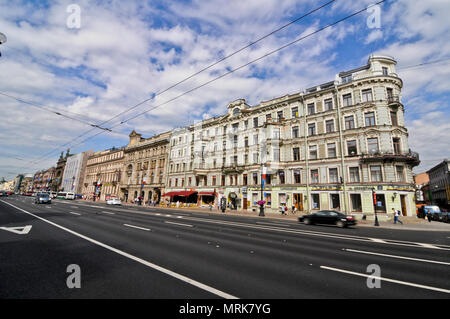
397	216
428	214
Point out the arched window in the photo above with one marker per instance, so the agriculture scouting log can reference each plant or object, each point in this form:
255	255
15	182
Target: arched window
236	111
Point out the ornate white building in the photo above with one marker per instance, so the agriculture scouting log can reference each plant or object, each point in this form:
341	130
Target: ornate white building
328	147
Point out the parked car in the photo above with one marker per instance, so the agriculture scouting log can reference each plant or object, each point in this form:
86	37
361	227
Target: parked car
445	217
42	198
328	217
3	194
435	212
113	201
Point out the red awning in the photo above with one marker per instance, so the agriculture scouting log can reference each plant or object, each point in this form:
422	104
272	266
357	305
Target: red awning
207	193
184	193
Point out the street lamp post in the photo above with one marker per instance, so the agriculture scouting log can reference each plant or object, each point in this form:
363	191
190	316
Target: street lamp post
261	206
374	196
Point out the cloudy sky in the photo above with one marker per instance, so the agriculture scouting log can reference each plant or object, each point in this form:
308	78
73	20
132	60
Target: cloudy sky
126	52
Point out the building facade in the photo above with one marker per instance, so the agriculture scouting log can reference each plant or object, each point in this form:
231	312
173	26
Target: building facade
103	174
74	172
440	183
59	172
328	147
43	180
144	174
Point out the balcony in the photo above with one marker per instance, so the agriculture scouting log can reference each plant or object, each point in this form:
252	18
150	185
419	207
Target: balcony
411	158
393	100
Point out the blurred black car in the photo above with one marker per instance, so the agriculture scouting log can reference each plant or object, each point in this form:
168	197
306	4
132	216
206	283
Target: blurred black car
330	217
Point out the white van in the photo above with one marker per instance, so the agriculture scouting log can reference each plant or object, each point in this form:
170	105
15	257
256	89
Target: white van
70	195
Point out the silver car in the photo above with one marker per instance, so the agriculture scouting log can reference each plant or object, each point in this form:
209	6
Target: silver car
42	198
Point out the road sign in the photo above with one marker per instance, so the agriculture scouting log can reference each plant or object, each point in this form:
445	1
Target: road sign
22	230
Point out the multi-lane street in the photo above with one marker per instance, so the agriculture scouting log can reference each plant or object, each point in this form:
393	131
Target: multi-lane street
136	252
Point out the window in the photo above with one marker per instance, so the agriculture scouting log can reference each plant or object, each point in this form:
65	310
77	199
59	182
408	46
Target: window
354	174
313	152
246	159
346	79
329	125
280	116
311	129
347	99
396	143
372	145
390	94
246	141
295	132
349	122
268	117
311	109
255	122
276	155
351	148
244	179
400	175
331	148
370	119
366	95
315	199
297	176
356	202
255	178
294	112
315	176
333	175
255	157
296	153
375	173
385	70
328	104
281	177
394	121
246	124
255	139
276	134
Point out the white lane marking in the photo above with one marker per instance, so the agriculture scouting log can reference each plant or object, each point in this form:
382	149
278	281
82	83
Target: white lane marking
137	227
179	216
73	213
74	206
387	279
187	225
428	245
398	257
137	259
377	240
105	212
22	230
320	234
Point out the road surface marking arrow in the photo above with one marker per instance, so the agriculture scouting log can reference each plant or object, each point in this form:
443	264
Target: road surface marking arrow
23	230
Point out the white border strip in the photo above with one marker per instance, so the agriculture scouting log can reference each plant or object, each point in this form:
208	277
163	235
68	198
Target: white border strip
134	258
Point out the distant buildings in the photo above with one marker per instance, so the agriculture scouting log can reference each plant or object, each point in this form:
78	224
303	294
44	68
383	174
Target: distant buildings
74	172
440	183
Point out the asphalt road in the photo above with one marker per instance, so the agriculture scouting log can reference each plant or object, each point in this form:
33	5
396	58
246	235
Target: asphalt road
129	252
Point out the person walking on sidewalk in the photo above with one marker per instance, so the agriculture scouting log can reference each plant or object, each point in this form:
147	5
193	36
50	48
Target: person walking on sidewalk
428	214
397	216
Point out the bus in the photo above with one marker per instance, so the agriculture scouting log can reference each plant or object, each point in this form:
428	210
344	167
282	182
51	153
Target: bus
70	195
61	195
